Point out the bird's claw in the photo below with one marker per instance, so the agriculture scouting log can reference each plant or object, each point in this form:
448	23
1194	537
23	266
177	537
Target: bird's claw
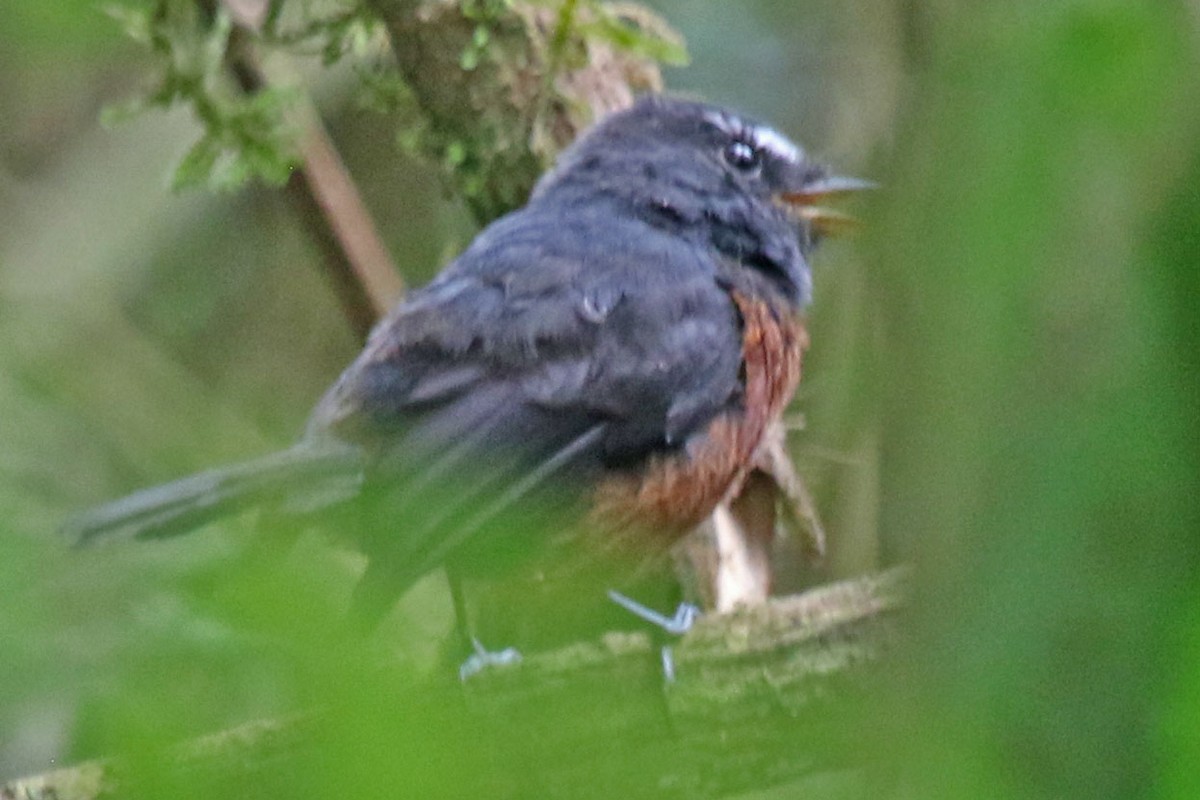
684	618
483	659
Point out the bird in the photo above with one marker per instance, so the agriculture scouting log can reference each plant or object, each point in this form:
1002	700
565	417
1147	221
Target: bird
573	393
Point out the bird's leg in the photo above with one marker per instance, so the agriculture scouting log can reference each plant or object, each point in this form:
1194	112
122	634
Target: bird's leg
483	659
677	625
684	618
480	658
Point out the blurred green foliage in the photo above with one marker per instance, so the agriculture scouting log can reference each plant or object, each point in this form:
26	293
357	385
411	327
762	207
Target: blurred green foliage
253	136
1042	458
1002	390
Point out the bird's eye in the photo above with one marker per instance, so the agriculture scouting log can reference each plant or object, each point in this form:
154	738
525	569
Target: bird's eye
742	156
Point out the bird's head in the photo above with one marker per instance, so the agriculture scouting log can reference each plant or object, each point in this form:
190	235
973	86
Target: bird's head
708	173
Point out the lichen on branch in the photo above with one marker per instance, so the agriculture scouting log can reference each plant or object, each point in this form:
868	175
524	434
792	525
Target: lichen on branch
490	90
503	85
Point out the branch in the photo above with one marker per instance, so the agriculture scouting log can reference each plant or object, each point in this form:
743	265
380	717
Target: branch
504	86
746	679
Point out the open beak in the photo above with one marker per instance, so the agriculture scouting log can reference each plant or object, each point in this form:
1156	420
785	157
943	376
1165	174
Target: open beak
806	204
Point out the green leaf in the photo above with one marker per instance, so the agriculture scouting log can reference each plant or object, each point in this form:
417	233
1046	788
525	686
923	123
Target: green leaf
469	58
644	34
197	165
115	114
456	153
135	22
213	45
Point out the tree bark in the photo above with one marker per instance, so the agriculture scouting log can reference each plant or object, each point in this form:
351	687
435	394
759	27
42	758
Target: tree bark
504	86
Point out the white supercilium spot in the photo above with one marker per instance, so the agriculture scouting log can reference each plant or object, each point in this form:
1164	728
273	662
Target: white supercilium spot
773	141
761	136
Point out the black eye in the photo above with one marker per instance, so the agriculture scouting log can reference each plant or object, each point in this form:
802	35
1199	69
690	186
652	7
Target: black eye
742	156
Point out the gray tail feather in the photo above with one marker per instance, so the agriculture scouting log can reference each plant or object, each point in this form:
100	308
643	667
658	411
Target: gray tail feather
302	478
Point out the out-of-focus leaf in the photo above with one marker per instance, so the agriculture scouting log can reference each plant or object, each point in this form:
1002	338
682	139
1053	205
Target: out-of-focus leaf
134	21
116	114
1040	459
634	29
196	167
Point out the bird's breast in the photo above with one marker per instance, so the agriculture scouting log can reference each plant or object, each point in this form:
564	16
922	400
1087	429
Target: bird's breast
674	492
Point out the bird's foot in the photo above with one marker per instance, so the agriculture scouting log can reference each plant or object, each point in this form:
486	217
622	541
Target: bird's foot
677	625
483	659
684	618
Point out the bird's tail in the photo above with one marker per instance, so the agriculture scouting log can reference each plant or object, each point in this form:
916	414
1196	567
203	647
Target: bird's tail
301	478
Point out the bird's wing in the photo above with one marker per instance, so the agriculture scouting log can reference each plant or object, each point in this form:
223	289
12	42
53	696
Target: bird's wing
526	361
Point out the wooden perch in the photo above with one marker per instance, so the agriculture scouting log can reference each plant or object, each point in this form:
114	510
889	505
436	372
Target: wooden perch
559	721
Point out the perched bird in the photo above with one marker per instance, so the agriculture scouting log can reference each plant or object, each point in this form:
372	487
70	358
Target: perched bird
572	394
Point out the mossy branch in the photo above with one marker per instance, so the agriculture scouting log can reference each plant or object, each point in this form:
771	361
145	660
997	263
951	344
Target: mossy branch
761	674
503	86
